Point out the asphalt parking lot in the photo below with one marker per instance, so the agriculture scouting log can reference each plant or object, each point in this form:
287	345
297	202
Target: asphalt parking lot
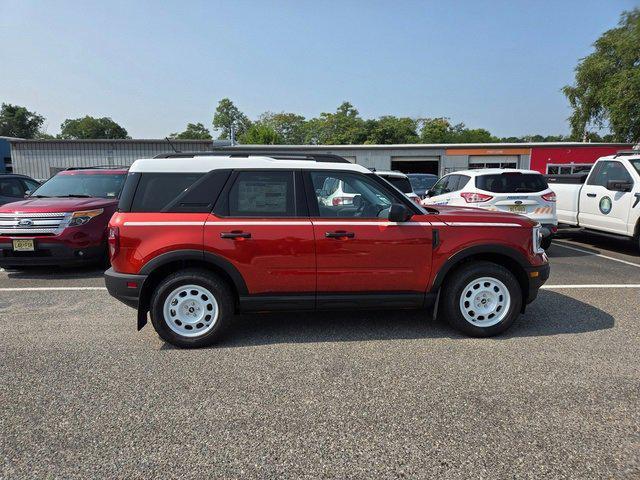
332	395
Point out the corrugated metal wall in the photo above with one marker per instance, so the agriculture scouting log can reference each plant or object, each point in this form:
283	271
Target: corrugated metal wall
41	159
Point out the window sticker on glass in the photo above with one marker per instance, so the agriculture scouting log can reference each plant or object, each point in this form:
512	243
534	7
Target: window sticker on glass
267	197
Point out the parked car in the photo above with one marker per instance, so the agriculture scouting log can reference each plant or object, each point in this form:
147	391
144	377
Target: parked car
14	187
604	201
195	240
64	221
422	182
400	181
524	192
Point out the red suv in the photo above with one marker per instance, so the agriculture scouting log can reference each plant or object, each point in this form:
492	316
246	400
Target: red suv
197	239
64	221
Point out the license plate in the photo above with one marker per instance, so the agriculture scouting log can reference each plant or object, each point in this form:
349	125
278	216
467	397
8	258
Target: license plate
517	209
23	246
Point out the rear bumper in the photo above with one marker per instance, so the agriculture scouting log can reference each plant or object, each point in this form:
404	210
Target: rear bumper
50	252
125	287
537	277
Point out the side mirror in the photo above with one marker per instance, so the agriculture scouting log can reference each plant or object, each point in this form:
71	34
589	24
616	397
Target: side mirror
399	213
619	186
27	193
428	193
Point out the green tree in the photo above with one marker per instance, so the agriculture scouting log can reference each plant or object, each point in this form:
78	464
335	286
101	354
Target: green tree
260	134
344	127
91	128
228	115
16	121
290	127
389	130
606	92
440	130
194	131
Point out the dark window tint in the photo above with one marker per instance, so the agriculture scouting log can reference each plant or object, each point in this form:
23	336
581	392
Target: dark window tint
512	183
462	181
605	171
262	194
11	187
31	185
444	185
401	183
157	191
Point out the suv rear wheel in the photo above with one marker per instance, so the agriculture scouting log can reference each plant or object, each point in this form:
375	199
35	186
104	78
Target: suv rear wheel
481	299
190	308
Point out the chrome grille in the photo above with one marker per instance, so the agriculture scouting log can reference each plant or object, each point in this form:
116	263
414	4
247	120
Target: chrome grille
32	223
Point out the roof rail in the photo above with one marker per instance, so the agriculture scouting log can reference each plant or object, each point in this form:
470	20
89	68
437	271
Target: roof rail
98	167
243	152
626	153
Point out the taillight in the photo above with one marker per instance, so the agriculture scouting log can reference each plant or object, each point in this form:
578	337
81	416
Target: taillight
549	197
474	197
113	239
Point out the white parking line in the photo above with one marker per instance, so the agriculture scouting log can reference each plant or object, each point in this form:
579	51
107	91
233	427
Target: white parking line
619	285
102	289
48	289
559	244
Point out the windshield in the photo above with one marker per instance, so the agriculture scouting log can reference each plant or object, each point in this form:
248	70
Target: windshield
512	183
636	164
82	185
401	183
422	182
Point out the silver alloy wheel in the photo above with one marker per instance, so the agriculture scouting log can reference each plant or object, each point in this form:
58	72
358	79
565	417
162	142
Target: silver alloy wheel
190	310
485	302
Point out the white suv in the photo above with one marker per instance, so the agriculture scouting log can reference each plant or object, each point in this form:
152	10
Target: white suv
507	190
337	192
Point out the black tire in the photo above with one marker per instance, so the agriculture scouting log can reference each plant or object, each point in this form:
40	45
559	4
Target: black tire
454	288
546	243
219	289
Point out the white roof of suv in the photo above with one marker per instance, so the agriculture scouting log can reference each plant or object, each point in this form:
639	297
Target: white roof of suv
208	163
492	171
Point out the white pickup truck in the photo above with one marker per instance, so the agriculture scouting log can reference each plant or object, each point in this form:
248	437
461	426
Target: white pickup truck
605	201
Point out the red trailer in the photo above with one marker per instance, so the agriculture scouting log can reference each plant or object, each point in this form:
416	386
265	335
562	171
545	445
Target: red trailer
570	159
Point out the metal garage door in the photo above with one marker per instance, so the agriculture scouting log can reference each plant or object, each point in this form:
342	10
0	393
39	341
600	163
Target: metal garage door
493	161
416	164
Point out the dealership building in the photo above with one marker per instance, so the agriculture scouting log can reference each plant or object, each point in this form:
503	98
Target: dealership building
42	158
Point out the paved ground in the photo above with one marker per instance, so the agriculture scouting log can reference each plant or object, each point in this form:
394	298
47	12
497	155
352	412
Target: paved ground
364	395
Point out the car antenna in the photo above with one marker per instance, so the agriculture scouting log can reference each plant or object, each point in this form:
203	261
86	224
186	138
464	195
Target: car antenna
169	142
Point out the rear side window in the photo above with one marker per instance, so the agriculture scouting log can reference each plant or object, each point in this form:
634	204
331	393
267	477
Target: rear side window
512	183
401	183
262	194
157	191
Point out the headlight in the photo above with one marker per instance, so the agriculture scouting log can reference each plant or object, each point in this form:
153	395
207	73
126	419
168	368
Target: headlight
537	240
80	218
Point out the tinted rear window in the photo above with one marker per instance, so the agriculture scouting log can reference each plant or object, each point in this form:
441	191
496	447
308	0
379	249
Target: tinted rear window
158	190
401	183
512	183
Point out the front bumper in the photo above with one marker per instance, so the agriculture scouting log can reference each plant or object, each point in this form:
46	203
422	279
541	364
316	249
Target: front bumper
50	252
125	287
537	277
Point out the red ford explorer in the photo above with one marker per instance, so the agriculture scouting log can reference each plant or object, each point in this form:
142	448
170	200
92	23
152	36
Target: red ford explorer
197	239
64	221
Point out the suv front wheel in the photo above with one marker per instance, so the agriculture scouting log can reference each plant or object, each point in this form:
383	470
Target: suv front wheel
190	308
481	299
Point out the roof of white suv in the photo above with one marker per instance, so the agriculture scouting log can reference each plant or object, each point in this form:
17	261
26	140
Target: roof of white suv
208	163
492	171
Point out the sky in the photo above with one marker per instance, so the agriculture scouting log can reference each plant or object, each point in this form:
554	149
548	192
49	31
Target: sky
154	66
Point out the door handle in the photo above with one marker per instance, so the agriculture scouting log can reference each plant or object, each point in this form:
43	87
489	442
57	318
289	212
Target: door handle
235	235
592	195
339	234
